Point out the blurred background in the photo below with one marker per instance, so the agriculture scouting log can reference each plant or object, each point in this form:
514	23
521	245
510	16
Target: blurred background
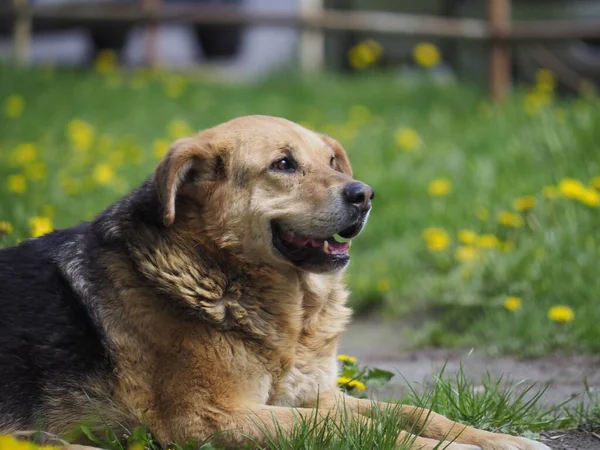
477	123
243	36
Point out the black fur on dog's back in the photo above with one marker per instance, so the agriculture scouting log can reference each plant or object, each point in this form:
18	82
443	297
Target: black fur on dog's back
48	339
54	351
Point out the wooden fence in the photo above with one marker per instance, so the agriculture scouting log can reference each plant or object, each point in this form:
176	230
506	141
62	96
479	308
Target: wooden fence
498	30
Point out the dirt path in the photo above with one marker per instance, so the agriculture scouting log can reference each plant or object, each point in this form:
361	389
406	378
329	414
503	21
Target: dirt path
381	345
573	440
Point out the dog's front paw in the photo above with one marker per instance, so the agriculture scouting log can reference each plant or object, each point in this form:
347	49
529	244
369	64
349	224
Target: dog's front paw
505	442
528	444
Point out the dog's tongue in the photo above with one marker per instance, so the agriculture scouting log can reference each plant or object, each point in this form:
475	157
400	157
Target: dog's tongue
330	245
301	241
335	248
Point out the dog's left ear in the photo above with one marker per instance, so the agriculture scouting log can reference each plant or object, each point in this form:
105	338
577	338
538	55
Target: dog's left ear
341	159
188	160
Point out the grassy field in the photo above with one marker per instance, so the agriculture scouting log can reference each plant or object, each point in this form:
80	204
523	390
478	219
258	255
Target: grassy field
484	229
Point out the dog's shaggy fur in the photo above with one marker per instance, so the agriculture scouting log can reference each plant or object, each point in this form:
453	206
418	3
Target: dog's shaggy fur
210	299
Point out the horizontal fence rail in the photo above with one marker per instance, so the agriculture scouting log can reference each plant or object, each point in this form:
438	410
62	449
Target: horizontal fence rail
498	30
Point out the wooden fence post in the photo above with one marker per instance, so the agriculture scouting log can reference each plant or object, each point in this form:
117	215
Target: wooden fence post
21	32
151	9
499	66
312	42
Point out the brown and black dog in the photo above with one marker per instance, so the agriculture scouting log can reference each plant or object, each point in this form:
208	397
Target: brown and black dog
211	299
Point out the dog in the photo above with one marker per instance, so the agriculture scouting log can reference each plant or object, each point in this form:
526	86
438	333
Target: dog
208	302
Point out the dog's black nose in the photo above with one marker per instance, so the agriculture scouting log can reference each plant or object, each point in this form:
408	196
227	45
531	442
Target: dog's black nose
359	194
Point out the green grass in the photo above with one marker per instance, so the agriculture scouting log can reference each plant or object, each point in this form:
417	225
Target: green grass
496	404
491	155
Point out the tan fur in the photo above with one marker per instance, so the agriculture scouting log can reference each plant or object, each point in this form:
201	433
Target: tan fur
210	330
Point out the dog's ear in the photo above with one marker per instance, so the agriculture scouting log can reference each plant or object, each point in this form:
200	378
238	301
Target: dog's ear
187	160
341	159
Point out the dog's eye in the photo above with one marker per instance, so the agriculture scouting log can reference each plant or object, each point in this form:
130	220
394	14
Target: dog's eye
332	161
286	164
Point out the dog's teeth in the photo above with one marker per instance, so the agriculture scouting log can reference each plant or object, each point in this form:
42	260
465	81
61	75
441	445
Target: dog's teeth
349	244
326	247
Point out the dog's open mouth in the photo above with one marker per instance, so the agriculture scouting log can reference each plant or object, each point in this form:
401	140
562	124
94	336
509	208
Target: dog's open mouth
313	251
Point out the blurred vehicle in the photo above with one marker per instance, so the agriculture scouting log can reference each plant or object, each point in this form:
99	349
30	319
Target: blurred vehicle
216	41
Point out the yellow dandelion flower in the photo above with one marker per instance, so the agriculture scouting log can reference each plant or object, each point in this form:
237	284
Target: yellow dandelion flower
383	285
6	228
426	54
40	225
407	139
364	54
346	359
466	254
524	203
436	239
570	188
136	446
24	153
595	182
550	192
535	101
512	303
178	128
81	134
545	80
576	190
352	384
561	313
589	197
483	214
467	237
357	58
160	147
35	171
374	46
103	173
343	380
16	183
106	61
439	187
510	219
8	442
14	106
358	385
488	241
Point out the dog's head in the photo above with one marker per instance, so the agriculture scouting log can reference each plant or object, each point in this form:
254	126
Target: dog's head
268	189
